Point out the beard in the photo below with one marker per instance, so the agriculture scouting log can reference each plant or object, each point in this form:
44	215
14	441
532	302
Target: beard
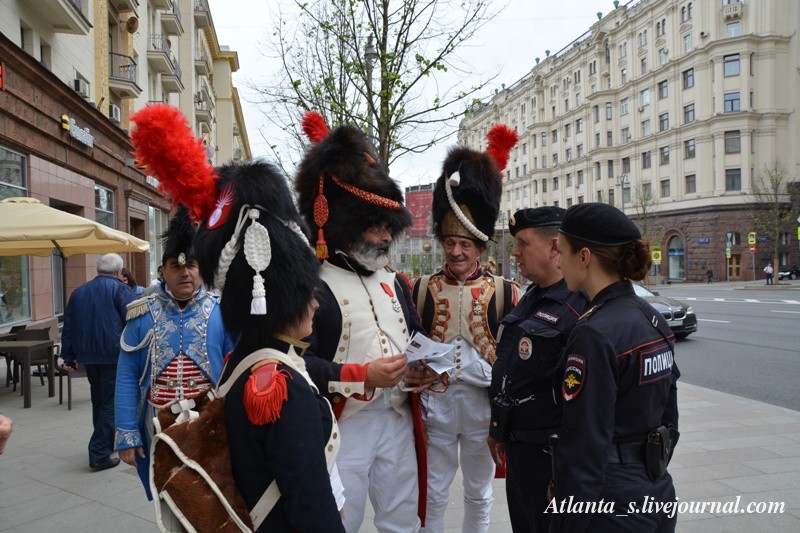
372	256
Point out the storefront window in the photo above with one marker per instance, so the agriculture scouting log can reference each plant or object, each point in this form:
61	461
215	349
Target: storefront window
676	255
158	225
15	303
104	206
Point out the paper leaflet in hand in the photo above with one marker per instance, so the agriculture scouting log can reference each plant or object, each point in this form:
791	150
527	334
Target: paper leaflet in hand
431	353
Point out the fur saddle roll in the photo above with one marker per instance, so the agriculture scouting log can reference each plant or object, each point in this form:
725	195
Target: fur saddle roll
190	471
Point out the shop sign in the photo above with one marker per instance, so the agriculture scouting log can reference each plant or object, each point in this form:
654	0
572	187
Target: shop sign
82	135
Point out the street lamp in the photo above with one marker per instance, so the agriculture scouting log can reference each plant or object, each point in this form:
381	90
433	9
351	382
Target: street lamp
370	56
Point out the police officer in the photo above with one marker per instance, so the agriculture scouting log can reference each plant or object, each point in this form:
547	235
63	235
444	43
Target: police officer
532	338
619	389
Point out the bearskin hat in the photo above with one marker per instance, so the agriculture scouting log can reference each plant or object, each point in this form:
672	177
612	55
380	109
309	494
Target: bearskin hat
342	189
466	197
178	239
251	242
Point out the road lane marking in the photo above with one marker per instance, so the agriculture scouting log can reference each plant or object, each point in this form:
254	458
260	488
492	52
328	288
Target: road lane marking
791	312
718	321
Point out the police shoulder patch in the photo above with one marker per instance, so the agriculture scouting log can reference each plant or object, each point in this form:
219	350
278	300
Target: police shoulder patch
265	392
574	377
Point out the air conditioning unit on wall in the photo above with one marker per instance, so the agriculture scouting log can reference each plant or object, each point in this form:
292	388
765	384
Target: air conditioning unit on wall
114	113
81	87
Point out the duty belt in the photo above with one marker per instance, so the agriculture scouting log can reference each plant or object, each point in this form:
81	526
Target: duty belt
532	436
622	453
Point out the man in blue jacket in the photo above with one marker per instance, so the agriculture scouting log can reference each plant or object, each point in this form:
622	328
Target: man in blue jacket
93	322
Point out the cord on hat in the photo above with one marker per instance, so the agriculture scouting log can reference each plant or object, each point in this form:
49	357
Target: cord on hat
258	252
455	179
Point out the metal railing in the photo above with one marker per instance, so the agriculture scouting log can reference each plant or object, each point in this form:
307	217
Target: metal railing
122	67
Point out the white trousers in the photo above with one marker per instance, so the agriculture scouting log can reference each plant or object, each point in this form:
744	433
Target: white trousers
377	457
458	421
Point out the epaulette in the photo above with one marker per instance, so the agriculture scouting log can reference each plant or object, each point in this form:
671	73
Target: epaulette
138	307
265	392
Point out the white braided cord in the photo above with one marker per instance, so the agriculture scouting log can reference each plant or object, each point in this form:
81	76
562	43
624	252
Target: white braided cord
459	214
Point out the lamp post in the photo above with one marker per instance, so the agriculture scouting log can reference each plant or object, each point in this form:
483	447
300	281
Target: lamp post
370	56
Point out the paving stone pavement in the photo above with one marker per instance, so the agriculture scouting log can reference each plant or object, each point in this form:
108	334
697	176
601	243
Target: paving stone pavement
730	448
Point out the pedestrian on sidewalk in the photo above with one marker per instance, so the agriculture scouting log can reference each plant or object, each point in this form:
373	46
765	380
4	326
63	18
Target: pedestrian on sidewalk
619	391
769	271
709	275
93	322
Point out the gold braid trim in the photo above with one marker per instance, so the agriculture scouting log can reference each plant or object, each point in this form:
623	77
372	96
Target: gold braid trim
367	196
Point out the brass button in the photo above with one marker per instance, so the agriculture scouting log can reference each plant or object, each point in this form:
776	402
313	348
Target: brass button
401	320
346	337
336	399
331	388
404	330
330	447
346	315
345	302
341	348
383	341
385	350
347	390
335	435
347	324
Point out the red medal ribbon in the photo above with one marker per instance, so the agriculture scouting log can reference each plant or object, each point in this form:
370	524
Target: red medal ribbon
476	293
387	289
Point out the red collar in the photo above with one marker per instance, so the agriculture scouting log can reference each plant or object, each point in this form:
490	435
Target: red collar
476	272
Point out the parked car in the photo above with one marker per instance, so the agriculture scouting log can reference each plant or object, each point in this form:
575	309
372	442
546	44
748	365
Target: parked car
680	317
790	273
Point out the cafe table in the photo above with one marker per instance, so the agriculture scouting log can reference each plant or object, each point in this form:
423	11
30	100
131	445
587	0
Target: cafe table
27	351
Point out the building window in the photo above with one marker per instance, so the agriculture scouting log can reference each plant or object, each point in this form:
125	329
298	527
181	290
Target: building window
646	161
643	66
664	155
665	188
544	138
663	89
544	186
731	65
662	56
610	164
569	179
644	97
626	195
535	186
554	136
663	28
732	29
610	196
596	113
524	191
555	183
598	171
609	138
592	67
579	125
555	159
104	206
733	179
623	50
580	150
580	178
663	122
732	102
568	154
609	112
688	78
623	76
691	183
567	130
733	238
687	43
599	196
647	191
688	149
733	142
623	106
525	169
597	140
544	161
578	100
508	195
646	130
524	148
626	135
626	165
516	193
14	270
688	113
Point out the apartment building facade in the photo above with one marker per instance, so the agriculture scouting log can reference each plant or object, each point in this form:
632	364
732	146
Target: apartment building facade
669	110
73	72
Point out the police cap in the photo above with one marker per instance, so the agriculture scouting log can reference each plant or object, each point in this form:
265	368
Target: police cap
599	223
535	217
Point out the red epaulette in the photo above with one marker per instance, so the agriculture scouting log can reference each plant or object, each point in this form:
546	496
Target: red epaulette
265	392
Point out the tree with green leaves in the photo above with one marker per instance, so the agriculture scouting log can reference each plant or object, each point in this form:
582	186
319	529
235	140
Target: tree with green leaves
772	215
644	207
377	64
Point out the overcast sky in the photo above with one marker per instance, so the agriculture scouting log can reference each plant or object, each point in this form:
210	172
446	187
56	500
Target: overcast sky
508	44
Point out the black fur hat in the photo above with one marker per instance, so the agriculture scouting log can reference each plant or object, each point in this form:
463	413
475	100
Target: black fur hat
342	189
291	275
475	184
179	237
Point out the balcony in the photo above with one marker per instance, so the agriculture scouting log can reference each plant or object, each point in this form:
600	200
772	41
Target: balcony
122	76
171	20
159	54
124	6
66	16
172	83
202	109
201	66
732	11
202	15
162	4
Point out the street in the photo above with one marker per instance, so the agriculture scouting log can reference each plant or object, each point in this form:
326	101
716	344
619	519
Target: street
747	342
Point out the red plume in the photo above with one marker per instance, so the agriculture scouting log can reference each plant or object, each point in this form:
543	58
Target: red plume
165	144
501	140
314	126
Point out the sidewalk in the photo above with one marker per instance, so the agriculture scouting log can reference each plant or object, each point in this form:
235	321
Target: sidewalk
729	447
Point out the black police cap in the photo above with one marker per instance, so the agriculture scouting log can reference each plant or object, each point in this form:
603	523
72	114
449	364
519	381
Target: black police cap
535	217
598	223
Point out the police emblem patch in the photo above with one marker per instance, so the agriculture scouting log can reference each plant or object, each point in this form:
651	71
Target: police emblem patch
525	348
574	376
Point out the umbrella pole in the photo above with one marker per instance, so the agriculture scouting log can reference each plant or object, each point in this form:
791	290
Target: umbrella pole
63	277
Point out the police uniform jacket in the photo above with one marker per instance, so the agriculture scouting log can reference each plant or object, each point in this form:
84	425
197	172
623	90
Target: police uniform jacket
528	351
373	317
291	450
619	384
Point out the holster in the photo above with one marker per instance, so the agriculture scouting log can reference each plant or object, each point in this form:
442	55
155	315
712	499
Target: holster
552	449
501	408
657	452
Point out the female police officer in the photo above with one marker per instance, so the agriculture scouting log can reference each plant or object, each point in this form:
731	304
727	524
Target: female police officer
619	384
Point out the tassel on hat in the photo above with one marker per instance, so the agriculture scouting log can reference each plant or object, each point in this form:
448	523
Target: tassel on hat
320	218
258	252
